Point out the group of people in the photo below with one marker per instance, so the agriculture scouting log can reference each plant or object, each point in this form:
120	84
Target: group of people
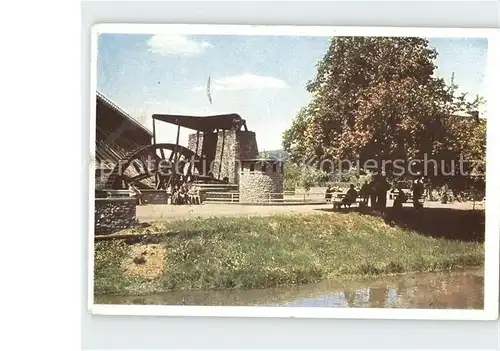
179	193
177	190
375	194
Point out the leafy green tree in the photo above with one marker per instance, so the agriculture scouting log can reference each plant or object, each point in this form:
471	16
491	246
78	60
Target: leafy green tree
376	98
310	176
302	175
293	138
291	175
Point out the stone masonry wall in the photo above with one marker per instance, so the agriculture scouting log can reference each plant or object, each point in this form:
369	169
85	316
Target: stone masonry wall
237	145
225	156
246	149
114	214
258	186
154	196
224	149
247	145
192	143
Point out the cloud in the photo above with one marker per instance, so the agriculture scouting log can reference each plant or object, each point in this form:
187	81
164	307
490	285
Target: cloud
245	81
176	45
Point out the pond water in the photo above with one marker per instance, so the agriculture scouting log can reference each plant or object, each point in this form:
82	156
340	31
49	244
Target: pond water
459	290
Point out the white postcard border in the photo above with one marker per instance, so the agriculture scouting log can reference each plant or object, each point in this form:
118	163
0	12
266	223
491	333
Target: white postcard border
492	234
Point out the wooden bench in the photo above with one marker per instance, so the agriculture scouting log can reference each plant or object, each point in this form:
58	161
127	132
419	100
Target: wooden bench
393	194
337	200
194	198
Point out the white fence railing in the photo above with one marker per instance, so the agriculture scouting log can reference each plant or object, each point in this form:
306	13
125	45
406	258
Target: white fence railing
285	197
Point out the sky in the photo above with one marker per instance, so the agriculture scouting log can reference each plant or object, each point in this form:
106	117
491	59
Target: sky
262	78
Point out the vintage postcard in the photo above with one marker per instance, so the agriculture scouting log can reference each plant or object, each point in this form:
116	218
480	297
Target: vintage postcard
293	172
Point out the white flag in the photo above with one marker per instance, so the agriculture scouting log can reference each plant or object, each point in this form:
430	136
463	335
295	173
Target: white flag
208	91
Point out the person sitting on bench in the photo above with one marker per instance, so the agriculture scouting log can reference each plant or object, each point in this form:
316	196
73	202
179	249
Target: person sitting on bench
350	197
135	192
328	194
175	195
184	195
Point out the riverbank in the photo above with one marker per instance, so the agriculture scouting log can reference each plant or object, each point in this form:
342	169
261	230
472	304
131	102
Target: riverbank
458	289
262	252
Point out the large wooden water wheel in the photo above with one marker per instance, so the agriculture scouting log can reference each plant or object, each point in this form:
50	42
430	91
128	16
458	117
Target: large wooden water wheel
155	166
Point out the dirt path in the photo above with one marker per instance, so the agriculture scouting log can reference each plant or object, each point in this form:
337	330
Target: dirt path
158	212
166	212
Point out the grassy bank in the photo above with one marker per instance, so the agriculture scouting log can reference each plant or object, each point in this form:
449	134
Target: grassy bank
259	252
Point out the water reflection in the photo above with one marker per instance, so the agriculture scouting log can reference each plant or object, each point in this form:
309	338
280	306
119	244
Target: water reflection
460	290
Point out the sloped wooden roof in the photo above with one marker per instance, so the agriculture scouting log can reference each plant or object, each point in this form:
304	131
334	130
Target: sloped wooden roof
206	123
104	100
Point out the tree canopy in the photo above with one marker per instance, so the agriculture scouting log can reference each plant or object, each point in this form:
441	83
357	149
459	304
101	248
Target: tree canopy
377	98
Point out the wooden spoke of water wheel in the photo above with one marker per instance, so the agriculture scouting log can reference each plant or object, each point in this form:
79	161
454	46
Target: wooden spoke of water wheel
154	164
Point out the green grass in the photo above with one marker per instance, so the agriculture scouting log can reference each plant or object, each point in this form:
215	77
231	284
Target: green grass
108	277
261	252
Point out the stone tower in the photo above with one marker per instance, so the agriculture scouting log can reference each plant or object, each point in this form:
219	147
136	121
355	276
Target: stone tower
222	151
261	181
